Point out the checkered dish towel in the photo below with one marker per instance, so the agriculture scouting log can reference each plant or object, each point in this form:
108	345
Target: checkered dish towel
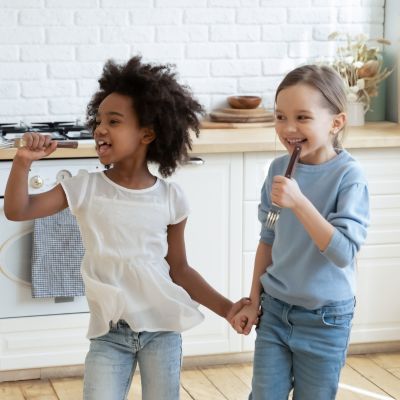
56	256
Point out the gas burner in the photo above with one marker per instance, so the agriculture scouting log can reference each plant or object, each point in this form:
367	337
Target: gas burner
58	130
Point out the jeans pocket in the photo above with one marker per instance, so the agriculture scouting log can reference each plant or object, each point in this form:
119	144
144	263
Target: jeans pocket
337	320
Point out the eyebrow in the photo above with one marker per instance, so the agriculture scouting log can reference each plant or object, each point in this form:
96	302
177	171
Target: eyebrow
112	113
298	111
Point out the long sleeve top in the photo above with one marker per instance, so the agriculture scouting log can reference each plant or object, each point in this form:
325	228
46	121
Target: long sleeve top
301	274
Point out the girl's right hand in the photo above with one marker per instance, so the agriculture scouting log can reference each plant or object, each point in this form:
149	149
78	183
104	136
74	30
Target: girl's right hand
37	146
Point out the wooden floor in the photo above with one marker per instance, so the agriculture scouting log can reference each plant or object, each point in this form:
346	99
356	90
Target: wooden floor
373	376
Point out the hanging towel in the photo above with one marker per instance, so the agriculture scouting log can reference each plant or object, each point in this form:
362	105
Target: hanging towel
57	253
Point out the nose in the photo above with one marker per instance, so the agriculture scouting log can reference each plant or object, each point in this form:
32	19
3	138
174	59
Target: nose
100	129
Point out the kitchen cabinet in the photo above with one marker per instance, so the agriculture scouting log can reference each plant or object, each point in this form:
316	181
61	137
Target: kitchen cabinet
214	242
377	316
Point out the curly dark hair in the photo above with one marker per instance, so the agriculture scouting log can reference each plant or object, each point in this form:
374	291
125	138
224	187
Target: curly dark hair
160	103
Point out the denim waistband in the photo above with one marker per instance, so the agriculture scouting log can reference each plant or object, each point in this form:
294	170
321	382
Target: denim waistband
341	306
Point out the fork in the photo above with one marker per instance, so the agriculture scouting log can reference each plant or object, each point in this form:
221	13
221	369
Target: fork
17	143
275	210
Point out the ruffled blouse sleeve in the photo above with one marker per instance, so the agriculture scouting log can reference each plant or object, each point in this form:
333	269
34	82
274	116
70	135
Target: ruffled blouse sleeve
75	189
178	204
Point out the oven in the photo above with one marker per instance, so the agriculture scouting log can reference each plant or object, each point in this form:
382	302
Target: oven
16	243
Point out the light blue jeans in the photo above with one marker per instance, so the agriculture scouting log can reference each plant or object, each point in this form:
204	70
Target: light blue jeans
301	349
112	359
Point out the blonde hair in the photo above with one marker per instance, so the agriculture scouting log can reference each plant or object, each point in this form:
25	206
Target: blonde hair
328	82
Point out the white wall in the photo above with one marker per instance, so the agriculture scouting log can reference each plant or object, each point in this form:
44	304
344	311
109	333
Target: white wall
52	51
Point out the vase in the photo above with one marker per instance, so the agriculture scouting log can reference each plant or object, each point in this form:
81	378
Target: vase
355	114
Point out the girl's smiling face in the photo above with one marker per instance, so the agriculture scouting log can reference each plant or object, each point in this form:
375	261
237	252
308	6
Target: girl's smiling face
301	117
118	135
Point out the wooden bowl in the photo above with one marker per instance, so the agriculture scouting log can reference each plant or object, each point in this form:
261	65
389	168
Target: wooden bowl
246	102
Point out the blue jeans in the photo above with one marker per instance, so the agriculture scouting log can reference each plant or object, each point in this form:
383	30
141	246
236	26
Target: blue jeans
112	359
300	349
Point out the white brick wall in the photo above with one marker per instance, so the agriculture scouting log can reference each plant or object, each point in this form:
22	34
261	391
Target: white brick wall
52	51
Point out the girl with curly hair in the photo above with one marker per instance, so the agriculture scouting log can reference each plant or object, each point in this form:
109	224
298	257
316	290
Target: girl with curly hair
141	291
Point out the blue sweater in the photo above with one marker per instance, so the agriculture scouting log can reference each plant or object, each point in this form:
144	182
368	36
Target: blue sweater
300	274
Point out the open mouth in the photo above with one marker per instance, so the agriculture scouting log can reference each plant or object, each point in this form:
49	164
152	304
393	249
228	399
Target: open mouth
102	146
294	141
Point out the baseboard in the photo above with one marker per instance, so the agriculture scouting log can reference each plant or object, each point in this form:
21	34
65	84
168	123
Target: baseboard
189	362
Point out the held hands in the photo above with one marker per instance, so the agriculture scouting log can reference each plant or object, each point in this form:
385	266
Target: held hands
37	146
285	192
244	320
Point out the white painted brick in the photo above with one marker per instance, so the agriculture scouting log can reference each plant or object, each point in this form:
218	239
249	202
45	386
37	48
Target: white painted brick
194	33
235	33
376	3
74	106
210	86
21	4
8	17
281	66
197	68
370	14
286	33
312	15
233	3
9	90
209	16
181	3
101	17
261	16
74	70
284	3
23	107
132	4
72	35
258	85
9	53
51	17
211	50
75	4
236	68
322	32
48	88
204	100
166	52
336	3
47	53
20	35
128	35
22	71
87	87
102	52
318	49
262	50
154	16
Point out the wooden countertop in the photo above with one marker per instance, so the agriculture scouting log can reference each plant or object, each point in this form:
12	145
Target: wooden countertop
371	135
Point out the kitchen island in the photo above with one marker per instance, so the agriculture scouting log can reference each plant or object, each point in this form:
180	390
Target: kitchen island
223	181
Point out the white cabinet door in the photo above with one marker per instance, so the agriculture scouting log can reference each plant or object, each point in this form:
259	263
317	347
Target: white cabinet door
214	242
377	317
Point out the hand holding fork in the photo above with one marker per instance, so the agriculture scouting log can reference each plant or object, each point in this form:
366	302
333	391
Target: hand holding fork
275	210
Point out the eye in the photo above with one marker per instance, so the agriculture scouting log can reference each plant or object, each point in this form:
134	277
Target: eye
279	117
303	117
114	122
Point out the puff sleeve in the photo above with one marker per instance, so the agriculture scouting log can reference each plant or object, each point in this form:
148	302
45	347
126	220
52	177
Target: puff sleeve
75	189
178	204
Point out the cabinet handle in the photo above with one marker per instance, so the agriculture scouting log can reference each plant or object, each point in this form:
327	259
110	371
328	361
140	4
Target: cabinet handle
195	161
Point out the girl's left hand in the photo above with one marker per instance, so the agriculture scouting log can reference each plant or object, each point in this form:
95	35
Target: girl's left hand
285	192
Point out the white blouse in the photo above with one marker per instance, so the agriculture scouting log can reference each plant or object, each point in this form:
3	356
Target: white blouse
124	232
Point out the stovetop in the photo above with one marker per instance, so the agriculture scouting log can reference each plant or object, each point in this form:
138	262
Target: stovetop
61	130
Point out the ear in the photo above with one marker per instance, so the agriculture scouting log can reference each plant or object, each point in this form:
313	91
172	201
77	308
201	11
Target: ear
339	121
148	136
